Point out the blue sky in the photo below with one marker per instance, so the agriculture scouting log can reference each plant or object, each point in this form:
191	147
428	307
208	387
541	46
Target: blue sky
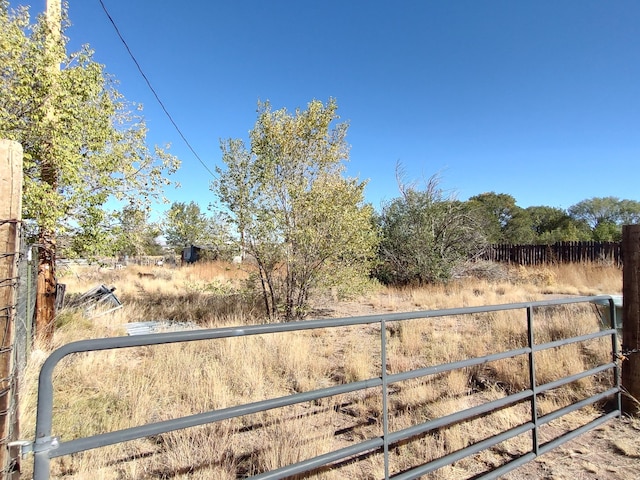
537	99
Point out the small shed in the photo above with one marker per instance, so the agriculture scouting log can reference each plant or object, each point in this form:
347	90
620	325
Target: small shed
191	254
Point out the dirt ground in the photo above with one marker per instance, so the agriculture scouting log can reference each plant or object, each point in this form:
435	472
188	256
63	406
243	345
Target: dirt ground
611	451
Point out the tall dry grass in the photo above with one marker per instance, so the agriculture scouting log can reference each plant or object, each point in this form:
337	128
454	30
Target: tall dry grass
106	391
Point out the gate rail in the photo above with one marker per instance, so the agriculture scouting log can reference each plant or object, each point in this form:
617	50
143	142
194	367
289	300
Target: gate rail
45	447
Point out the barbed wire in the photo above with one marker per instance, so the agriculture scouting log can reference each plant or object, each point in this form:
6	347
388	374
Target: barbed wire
626	352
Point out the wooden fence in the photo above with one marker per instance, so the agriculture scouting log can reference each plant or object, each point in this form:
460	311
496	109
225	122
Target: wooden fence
561	252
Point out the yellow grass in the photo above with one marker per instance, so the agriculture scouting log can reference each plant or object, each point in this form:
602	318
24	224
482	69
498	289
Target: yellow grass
106	391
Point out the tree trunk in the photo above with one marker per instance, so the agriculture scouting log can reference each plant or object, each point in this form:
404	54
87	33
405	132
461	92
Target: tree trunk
46	281
46	286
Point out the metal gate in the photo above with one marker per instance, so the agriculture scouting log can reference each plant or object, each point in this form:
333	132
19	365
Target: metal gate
46	446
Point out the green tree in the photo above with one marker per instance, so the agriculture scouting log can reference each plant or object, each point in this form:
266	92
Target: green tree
83	143
629	212
553	225
606	215
93	237
127	232
185	224
597	210
495	211
238	189
607	231
519	229
305	225
425	235
135	234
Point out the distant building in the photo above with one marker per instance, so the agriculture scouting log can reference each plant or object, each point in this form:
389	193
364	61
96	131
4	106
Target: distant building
191	254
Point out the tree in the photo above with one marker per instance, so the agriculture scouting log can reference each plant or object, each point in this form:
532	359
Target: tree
519	228
305	225
495	210
82	142
238	189
184	225
629	212
135	234
606	215
127	232
94	236
552	225
598	210
607	231
425	235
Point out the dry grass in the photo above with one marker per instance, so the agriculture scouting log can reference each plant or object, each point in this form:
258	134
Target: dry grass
101	392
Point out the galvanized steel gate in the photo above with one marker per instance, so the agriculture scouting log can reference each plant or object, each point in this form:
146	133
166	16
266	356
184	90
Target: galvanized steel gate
47	446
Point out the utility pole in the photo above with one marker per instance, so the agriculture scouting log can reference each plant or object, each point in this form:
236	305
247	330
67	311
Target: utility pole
46	282
631	318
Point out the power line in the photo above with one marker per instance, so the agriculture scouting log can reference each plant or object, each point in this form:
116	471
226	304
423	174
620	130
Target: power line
153	90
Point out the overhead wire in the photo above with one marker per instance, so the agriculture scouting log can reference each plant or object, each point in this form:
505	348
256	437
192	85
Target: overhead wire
155	94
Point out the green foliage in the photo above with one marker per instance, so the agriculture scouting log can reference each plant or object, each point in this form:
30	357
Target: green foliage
628	212
237	191
135	235
305	225
595	211
518	228
605	216
425	235
83	144
93	237
495	211
184	225
504	222
607	231
551	225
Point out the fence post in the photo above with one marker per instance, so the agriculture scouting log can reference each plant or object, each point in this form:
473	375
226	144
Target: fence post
631	317
10	216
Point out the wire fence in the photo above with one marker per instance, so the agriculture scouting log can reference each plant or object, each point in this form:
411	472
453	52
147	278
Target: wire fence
16	341
26	299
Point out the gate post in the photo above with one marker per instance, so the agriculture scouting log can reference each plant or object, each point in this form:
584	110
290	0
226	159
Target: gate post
10	217
631	318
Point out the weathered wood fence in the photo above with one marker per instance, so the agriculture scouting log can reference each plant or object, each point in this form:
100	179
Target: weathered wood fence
10	233
561	252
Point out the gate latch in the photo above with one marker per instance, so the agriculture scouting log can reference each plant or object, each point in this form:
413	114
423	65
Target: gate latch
27	446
